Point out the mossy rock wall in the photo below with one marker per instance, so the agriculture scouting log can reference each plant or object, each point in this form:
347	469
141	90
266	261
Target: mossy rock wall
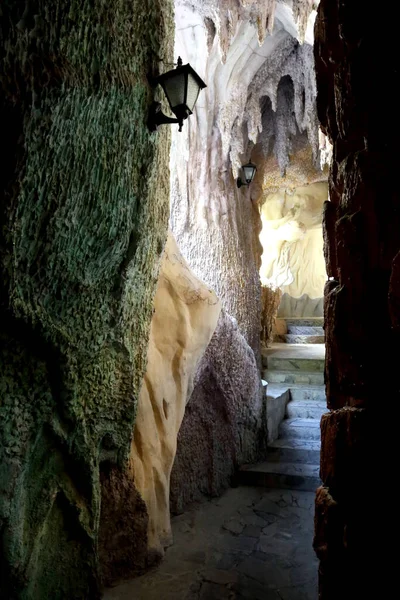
84	201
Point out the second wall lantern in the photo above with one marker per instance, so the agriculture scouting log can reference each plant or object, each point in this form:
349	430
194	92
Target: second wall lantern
249	170
181	87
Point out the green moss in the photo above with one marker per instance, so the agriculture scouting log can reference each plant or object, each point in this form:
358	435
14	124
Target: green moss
86	200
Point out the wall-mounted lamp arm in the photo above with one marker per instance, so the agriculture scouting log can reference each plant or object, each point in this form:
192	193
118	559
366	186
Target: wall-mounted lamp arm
157	117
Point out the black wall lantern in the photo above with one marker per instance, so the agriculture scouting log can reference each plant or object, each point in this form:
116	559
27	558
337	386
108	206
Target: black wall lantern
182	87
249	171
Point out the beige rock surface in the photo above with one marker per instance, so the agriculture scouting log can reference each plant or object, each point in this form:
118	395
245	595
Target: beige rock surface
185	316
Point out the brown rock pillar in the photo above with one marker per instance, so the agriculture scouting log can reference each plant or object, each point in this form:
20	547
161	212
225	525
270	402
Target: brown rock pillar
356	63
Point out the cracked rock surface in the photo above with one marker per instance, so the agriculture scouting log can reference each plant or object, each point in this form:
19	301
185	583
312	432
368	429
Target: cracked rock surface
250	544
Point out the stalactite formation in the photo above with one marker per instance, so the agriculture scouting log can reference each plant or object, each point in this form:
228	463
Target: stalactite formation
226	16
260	92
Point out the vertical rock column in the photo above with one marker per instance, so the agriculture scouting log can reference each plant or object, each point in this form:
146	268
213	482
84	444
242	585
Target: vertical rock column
356	65
84	194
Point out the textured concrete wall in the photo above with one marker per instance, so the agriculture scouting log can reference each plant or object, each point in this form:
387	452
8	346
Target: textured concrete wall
84	209
224	424
356	64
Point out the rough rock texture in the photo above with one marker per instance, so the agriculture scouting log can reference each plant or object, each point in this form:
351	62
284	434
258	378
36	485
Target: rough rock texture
185	317
123	540
292	241
84	211
224	424
270	298
216	224
355	61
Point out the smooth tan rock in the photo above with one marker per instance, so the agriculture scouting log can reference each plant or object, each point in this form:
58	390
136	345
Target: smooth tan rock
185	316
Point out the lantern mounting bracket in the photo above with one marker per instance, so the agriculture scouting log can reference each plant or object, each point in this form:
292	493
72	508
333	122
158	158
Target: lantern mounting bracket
156	118
239	182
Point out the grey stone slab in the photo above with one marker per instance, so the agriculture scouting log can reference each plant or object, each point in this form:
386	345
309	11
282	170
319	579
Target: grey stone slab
219	576
280	481
283	363
293	455
264	572
304	592
310	351
213	591
279	546
308	392
305	470
301	338
296	444
297	327
237	544
234	526
294	357
295	499
306	429
306	409
250	589
252	531
305	322
198	557
269	507
277	376
255	520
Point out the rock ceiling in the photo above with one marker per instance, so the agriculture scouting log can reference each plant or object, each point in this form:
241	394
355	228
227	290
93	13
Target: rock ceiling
257	59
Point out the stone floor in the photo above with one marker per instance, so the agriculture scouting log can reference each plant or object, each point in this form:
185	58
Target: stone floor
250	544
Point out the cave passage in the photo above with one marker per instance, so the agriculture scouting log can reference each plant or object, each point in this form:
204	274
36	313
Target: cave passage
195	376
251	415
250	543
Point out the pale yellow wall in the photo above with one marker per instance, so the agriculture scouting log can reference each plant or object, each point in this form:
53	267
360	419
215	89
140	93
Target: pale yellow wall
185	316
292	240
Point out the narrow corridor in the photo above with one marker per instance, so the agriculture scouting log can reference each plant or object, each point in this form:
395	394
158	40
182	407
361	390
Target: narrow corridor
250	544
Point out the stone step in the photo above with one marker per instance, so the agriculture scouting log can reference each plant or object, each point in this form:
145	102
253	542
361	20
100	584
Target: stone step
298	363
312	377
293	450
305	429
306	409
304	330
281	475
305	322
304	391
294	338
294	357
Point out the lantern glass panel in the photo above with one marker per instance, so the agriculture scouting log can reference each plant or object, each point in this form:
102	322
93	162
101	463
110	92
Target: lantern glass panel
174	88
249	172
192	92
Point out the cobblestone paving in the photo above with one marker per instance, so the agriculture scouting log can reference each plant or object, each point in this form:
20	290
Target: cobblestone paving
250	544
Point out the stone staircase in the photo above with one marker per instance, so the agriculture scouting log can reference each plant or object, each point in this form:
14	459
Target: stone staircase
295	403
300	331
